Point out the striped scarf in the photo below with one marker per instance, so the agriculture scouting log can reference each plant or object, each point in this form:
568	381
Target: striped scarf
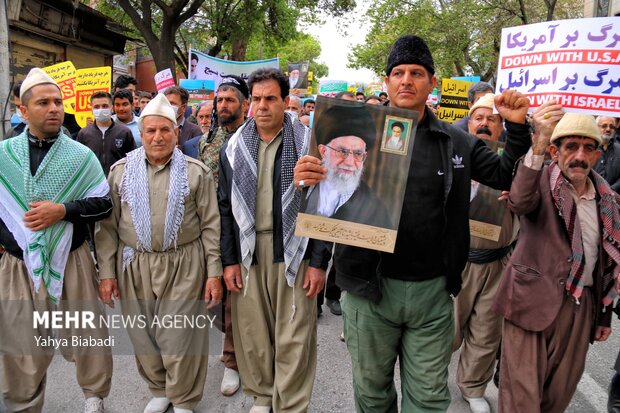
242	154
134	190
609	213
69	171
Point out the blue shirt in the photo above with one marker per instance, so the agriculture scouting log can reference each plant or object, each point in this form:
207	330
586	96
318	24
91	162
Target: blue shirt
133	126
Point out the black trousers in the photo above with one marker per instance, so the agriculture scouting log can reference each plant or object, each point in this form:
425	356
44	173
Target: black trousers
331	291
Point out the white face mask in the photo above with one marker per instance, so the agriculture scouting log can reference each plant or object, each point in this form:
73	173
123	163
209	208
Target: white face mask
176	110
294	114
21	117
102	115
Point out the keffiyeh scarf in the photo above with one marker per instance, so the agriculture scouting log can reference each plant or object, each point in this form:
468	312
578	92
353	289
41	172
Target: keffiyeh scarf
134	191
69	171
609	213
242	154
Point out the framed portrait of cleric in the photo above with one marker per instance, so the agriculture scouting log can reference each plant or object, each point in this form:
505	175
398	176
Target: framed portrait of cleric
298	78
486	213
360	200
396	132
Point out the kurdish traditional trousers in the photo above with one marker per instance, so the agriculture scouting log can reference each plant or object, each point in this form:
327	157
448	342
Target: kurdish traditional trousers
275	348
24	372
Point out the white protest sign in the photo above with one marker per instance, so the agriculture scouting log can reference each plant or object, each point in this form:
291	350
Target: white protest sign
163	80
576	62
205	67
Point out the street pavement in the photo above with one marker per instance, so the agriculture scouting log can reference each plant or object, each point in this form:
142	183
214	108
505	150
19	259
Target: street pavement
332	388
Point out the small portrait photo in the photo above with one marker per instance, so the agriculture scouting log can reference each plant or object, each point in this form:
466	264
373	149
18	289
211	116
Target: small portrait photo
360	200
298	75
396	135
193	66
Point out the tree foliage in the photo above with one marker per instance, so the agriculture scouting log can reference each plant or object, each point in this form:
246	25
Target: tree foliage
302	48
237	24
158	22
463	35
222	28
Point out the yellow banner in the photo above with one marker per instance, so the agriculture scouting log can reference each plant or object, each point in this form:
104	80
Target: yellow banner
453	103
64	74
87	82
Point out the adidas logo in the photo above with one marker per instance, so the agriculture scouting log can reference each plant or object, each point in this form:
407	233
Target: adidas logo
457	162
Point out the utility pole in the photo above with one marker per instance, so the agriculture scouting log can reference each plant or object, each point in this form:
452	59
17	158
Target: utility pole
5	77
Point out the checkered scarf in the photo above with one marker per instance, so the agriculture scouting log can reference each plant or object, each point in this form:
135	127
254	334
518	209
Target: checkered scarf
609	213
242	153
134	191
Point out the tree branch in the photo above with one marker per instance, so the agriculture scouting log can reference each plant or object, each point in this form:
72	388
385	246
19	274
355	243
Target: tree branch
190	11
550	8
146	14
182	52
180	60
144	28
523	13
459	68
163	6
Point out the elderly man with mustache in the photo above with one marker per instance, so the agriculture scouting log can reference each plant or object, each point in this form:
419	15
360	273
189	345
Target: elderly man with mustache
478	329
557	290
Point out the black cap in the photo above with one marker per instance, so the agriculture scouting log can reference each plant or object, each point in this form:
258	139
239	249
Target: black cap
408	50
398	124
341	120
237	82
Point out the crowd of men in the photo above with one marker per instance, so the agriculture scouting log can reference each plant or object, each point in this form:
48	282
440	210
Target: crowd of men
179	214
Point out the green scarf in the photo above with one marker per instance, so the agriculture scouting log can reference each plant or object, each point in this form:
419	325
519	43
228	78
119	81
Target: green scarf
70	171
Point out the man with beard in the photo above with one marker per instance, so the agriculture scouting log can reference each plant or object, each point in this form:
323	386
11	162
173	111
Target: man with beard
231	104
193	66
395	142
478	329
342	195
343	147
293	76
398	306
608	165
